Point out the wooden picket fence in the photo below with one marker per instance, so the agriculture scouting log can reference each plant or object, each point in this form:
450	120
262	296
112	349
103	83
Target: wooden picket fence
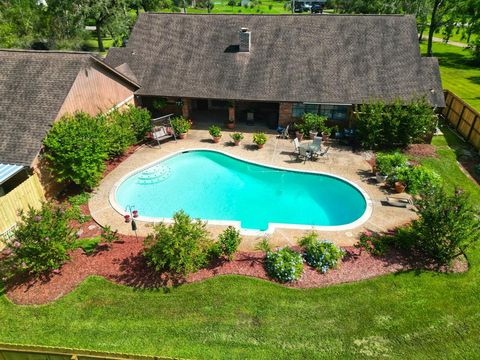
21	352
28	193
464	118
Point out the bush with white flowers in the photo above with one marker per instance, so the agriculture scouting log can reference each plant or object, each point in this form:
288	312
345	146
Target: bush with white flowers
320	254
284	264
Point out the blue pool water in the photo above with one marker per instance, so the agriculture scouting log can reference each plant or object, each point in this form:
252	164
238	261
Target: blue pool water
213	186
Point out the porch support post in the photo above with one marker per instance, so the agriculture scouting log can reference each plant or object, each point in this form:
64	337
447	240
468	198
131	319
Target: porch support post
231	112
186	106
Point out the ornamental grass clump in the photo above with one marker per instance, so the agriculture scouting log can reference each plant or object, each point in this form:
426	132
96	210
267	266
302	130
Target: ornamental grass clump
282	264
320	254
41	241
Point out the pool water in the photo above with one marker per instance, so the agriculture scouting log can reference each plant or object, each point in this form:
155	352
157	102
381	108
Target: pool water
213	186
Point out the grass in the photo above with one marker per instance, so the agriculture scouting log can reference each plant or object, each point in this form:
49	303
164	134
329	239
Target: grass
416	314
459	74
449	148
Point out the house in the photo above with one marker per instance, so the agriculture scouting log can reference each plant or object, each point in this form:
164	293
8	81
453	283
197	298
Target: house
37	88
277	67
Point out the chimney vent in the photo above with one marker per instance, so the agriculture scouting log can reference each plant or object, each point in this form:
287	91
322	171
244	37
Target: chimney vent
245	40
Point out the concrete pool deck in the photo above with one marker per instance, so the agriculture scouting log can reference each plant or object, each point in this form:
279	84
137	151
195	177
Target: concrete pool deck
276	152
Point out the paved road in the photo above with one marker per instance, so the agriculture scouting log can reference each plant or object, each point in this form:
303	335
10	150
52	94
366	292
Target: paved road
454	43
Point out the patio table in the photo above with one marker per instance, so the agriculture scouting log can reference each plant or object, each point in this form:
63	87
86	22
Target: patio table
310	147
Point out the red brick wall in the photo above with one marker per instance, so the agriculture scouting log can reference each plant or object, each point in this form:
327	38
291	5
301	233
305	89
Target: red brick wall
285	114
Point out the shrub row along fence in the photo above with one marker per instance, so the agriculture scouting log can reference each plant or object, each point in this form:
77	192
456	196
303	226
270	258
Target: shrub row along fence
464	118
21	352
28	193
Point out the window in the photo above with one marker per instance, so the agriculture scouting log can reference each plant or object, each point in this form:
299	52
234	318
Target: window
331	112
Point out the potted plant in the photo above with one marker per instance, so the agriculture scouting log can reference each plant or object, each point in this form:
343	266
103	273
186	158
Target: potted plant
299	131
326	132
237	137
216	133
260	139
399	187
180	126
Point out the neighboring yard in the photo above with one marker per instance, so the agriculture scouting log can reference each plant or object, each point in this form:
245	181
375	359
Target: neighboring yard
458	72
416	314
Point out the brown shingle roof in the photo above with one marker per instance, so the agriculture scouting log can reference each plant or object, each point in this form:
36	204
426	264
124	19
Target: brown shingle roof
318	58
33	87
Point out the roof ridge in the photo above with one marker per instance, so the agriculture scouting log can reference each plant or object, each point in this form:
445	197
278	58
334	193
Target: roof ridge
72	52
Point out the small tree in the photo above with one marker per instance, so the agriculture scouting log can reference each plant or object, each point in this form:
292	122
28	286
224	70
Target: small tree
180	248
42	240
229	240
76	148
447	227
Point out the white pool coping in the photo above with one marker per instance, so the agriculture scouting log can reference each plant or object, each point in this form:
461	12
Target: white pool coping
237	224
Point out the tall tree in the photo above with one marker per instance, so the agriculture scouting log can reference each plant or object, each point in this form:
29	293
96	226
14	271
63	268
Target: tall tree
440	9
66	23
106	14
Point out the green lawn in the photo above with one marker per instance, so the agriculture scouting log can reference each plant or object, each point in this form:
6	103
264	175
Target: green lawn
459	74
421	315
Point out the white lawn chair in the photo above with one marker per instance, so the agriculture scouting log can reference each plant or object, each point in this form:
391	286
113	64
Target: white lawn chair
304	154
324	154
316	146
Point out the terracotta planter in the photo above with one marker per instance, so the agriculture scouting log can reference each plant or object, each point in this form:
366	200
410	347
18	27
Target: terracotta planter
216	140
237	142
299	135
231	125
312	134
260	145
325	136
399	187
182	136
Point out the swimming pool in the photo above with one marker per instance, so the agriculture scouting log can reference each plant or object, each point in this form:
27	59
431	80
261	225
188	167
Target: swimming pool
222	189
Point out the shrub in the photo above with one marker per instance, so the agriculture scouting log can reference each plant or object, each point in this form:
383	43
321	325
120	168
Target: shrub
76	148
215	131
447	226
138	120
108	235
79	199
229	240
119	133
180	125
42	239
388	162
181	248
399	124
259	138
74	212
284	264
416	178
320	254
88	245
372	243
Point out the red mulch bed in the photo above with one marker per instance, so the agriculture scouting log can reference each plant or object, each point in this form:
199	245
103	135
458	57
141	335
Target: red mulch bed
113	163
421	150
123	263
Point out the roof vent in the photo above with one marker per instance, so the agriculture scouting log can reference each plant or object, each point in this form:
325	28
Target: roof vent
245	40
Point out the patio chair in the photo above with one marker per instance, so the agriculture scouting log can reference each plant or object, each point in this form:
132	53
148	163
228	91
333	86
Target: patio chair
160	133
323	154
296	143
317	145
303	154
283	132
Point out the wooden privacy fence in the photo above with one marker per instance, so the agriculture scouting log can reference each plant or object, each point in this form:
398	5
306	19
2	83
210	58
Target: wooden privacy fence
21	352
464	118
28	193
